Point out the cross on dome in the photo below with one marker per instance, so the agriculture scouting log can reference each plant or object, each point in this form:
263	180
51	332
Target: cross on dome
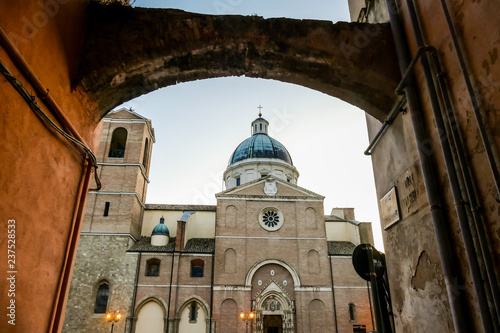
259	125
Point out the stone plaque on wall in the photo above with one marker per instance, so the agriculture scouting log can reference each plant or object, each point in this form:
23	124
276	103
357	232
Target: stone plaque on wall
389	208
411	191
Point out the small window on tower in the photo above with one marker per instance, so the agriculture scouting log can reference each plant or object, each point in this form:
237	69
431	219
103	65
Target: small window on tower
261	127
106	208
238	182
352	312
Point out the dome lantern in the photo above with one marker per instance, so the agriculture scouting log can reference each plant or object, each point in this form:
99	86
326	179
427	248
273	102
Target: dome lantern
160	235
259	125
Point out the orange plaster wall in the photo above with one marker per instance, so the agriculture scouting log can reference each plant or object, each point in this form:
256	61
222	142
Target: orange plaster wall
40	171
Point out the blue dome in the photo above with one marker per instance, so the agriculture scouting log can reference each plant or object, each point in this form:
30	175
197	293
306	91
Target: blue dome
260	145
161	229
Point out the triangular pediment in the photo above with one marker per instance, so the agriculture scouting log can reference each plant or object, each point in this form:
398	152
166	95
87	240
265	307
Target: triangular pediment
283	189
124	113
272	286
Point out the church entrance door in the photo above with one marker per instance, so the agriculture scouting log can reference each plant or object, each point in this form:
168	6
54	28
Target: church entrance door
273	324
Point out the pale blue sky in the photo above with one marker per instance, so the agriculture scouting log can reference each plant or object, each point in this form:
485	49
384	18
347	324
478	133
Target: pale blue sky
199	124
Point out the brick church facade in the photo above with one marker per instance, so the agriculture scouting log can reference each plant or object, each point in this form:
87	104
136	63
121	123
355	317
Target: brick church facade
266	247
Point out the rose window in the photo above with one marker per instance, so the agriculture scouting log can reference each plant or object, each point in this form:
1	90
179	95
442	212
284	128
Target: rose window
271	219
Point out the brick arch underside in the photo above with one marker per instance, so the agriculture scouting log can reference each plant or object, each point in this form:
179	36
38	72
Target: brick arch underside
129	52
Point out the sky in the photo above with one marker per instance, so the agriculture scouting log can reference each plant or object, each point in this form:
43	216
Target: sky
199	124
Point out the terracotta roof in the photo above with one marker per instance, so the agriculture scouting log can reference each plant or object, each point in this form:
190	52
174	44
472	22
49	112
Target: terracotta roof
198	245
336	248
205	245
144	245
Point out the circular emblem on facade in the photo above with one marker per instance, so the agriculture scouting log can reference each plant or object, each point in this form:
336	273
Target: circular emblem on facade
285	283
272	272
270	187
271	219
259	282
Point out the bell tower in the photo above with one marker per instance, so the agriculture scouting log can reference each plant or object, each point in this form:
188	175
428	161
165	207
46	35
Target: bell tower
123	159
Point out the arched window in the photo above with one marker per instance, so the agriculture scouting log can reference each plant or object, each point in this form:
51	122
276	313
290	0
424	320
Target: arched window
192	312
146	153
352	312
101	299
153	267
118	141
197	268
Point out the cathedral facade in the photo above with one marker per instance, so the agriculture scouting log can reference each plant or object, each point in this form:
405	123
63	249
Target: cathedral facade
264	259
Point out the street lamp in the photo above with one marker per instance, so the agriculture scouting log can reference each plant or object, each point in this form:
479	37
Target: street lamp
247	317
113	318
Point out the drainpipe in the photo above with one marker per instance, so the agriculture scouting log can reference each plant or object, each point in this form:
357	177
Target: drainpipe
212	292
170	289
371	305
333	295
135	291
485	137
212	279
396	108
491	268
431	181
452	173
56	321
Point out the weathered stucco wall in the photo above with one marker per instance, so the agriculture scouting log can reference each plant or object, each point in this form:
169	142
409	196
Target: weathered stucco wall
41	171
419	295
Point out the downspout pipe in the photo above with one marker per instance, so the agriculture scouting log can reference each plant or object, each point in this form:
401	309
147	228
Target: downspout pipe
485	137
212	292
212	280
431	181
396	108
452	173
56	321
491	268
333	296
170	289
134	297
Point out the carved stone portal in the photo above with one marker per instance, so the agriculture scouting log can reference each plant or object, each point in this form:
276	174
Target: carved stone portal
274	302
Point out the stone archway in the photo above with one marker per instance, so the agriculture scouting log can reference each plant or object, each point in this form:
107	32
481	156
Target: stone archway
273	297
129	52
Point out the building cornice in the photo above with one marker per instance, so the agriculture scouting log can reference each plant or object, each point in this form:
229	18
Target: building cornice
90	233
143	171
121	193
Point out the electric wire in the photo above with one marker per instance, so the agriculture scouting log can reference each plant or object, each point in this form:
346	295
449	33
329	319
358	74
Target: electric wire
85	151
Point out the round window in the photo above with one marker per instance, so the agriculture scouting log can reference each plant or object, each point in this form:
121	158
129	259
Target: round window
271	219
